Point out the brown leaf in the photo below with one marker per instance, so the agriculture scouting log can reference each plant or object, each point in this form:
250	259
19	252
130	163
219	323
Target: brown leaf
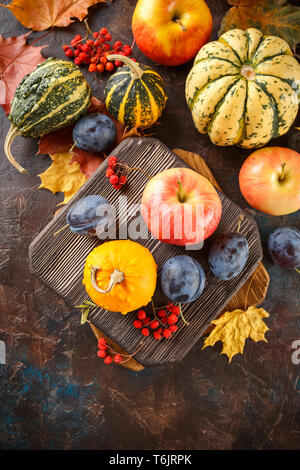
233	328
16	60
275	17
43	14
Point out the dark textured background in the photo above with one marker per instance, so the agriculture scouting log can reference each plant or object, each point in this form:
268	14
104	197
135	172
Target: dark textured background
56	394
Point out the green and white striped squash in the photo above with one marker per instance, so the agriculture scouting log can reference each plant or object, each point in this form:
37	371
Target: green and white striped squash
52	96
135	94
244	88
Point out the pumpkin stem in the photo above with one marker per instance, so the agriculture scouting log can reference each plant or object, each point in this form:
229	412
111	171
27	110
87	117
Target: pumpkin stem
134	66
12	133
115	278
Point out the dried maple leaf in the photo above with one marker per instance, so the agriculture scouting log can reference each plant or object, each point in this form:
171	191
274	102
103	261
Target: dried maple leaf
275	17
16	60
43	14
63	175
233	328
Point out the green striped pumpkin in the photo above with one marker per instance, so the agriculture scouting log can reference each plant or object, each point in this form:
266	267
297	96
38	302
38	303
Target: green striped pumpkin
135	94
243	89
52	96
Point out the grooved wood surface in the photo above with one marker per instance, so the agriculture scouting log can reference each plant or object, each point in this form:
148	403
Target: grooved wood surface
59	261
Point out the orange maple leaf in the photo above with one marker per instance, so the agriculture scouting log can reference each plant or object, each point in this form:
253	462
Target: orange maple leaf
43	14
16	60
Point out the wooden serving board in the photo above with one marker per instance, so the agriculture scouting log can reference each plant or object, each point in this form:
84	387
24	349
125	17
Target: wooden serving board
253	291
59	261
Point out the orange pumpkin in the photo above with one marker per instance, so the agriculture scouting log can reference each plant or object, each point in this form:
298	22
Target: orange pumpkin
120	276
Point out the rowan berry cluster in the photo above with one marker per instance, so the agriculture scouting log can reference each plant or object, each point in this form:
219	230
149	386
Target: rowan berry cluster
109	355
163	325
93	52
117	172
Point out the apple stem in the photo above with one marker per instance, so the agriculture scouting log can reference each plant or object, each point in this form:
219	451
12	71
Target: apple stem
240	222
177	20
181	195
134	66
281	177
60	230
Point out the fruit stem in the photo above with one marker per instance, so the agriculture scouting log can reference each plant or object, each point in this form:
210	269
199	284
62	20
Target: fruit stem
240	222
115	278
183	319
282	176
134	66
181	194
60	230
298	270
12	133
178	21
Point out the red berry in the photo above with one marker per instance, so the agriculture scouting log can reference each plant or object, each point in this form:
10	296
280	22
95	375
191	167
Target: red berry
82	55
161	313
172	319
114	179
127	50
90	42
118	63
176	310
109	66
118	44
112	161
102	346
154	324
96	43
164	320
95	34
108	360
92	68
138	323
147	320
65	47
123	179
141	315
100	68
106	47
101	40
87	61
117	358
107	37
117	186
170	307
69	53
103	60
173	328
159	330
78	60
103	31
101	341
78	37
157	335
74	41
167	333
145	332
76	52
101	353
109	171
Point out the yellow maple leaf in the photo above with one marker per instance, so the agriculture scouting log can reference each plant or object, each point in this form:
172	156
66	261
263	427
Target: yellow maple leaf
63	175
233	328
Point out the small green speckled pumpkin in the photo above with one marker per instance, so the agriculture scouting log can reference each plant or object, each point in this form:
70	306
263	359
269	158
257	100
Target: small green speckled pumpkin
135	94
52	96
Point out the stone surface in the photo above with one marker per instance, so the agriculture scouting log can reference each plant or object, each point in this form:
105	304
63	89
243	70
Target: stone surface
56	394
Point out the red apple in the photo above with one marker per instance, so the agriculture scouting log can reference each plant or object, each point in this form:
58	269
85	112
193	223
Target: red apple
270	180
181	207
171	32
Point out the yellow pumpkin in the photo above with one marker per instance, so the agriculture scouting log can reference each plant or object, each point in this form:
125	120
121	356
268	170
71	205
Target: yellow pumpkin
120	276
